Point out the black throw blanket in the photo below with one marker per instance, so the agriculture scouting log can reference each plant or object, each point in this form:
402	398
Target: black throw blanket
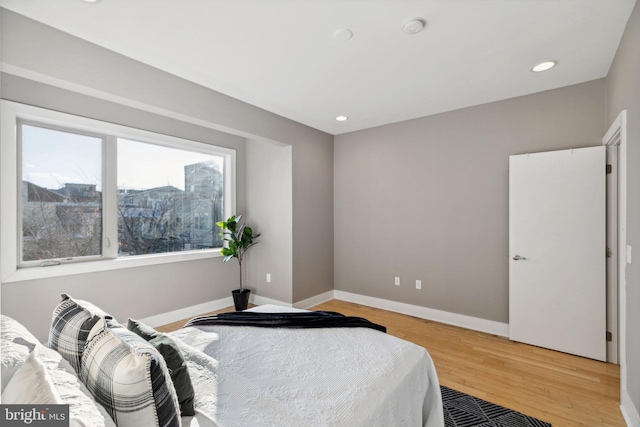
311	319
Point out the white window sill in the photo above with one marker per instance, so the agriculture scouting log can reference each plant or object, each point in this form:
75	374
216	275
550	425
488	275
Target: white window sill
33	273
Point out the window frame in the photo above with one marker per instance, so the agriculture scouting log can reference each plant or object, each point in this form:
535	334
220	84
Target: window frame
10	182
20	206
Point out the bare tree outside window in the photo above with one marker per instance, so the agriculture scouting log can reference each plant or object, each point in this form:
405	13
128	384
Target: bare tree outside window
59	228
60	219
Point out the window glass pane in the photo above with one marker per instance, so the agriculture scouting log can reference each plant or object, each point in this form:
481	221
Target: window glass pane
169	199
61	194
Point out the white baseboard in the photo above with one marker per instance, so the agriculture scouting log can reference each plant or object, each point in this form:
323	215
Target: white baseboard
315	300
468	322
260	300
187	312
629	412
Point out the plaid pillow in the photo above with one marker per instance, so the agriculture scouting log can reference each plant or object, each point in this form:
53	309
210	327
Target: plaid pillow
70	327
128	377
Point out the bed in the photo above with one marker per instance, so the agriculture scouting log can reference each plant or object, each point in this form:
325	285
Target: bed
249	376
311	377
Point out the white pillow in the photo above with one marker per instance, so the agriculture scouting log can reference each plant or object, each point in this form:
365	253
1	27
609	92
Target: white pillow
31	384
16	342
13	356
12	330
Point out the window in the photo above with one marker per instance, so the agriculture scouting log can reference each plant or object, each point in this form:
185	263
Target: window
61	193
86	192
163	195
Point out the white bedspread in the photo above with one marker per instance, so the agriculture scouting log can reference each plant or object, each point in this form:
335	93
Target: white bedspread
341	377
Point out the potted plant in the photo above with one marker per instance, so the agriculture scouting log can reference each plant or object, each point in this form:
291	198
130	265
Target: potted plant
239	239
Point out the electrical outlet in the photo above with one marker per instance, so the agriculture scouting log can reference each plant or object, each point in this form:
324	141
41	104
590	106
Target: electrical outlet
268	277
397	281
418	284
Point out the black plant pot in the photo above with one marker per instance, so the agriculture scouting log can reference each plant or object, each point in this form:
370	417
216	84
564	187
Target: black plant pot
241	298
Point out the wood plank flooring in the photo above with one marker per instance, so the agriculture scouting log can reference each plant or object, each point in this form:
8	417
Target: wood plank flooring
562	389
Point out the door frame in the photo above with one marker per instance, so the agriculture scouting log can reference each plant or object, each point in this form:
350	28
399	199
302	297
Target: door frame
613	255
616	139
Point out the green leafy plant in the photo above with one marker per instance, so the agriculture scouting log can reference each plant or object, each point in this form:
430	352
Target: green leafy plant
239	238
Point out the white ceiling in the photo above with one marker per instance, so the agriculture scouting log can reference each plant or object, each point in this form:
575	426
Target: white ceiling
281	55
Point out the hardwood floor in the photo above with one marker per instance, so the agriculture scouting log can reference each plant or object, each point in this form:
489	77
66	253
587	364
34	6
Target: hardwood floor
562	389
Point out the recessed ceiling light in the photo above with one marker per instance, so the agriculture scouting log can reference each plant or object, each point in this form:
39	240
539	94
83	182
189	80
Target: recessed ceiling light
544	66
342	118
92	1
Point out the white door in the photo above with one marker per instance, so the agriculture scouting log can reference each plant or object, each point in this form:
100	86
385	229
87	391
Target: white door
557	247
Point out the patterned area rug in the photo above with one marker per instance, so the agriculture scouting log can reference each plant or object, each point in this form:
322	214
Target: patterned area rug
463	410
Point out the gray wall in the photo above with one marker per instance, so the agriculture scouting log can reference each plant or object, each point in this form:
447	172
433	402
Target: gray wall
269	187
428	198
89	75
623	92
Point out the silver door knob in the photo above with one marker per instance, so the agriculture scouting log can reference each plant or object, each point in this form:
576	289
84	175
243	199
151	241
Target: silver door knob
517	257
